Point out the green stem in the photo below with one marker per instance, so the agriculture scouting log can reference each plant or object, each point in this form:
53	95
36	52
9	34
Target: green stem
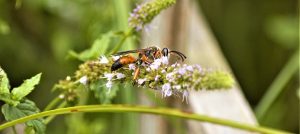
128	122
142	109
54	102
277	86
118	46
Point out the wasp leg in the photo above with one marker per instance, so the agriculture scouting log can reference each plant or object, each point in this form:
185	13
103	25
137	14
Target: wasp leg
137	70
136	73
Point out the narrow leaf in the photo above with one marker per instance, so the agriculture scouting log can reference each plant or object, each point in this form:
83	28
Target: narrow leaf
98	48
26	88
25	108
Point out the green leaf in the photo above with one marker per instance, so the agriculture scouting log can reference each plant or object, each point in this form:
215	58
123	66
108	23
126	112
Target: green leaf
26	87
4	89
98	48
4	83
102	93
25	108
6	97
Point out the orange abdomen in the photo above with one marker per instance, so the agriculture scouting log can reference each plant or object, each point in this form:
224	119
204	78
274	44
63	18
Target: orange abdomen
127	60
122	61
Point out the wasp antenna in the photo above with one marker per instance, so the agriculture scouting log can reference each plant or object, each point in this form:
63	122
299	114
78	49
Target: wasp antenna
181	55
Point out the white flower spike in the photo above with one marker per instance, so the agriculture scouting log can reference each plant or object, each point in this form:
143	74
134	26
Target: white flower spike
103	60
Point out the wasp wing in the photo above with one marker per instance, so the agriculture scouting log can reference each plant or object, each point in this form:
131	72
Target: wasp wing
125	52
130	51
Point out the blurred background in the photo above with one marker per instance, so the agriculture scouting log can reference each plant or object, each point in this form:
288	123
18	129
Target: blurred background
260	40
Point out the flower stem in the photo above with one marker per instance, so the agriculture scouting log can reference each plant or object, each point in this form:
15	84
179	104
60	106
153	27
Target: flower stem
118	46
142	109
54	102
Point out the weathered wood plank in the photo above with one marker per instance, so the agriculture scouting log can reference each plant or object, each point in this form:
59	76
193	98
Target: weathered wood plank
184	28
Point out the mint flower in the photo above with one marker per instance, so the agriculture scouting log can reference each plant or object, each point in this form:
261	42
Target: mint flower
131	67
167	79
156	77
115	58
166	90
109	85
61	96
120	76
177	87
109	76
156	64
170	77
145	13
190	68
83	80
165	60
103	60
141	81
181	71
185	95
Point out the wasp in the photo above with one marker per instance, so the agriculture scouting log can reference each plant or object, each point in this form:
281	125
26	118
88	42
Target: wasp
146	56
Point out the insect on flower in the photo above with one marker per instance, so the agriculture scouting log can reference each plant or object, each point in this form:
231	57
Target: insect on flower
145	56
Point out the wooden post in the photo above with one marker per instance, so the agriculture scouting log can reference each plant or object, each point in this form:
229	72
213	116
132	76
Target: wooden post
184	28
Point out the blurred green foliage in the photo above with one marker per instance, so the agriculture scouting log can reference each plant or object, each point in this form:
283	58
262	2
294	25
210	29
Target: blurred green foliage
257	38
4	28
36	36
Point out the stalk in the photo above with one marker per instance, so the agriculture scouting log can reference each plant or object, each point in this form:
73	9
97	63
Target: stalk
143	109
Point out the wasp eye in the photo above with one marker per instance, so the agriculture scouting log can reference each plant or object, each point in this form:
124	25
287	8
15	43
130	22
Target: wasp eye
165	51
148	53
